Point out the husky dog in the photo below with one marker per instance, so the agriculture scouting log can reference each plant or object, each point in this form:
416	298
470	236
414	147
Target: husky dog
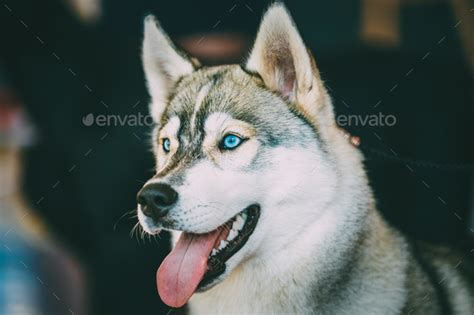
268	201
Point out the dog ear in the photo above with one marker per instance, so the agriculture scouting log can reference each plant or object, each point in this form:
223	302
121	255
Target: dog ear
163	65
286	66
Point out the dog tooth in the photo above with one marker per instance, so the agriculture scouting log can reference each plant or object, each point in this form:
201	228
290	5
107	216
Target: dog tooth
214	252
222	244
232	234
238	223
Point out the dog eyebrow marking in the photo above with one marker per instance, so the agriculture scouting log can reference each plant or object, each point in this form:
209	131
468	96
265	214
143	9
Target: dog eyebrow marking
172	126
199	101
215	122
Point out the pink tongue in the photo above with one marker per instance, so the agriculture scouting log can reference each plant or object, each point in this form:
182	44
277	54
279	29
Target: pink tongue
182	270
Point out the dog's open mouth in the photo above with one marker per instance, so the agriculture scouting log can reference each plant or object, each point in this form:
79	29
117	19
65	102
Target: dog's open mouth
198	259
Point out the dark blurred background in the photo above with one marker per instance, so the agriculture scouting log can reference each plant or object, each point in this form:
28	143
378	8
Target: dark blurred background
61	61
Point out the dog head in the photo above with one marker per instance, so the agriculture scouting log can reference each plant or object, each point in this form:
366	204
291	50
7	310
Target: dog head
237	147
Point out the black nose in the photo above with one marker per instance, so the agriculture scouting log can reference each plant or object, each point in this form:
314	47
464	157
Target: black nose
156	199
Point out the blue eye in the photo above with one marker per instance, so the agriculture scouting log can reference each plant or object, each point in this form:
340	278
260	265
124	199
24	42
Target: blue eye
166	143
231	142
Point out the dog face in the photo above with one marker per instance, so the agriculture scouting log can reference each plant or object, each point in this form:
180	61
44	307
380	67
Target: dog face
237	147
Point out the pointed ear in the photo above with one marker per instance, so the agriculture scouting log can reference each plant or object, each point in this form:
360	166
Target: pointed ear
163	64
286	66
